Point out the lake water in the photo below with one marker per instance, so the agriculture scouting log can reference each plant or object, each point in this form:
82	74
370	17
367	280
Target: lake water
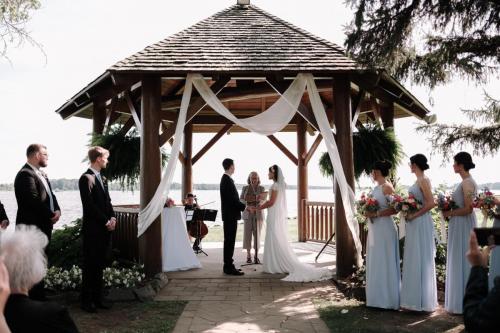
71	206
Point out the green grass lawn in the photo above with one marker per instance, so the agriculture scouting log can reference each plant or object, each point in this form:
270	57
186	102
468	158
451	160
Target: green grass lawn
351	316
216	234
128	317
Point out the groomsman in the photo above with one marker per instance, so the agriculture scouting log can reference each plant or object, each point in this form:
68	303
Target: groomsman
98	223
36	203
4	220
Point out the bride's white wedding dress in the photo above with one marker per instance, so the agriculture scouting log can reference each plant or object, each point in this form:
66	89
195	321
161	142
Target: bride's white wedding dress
278	254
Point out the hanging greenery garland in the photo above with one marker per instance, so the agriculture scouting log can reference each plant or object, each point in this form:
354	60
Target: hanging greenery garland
125	156
370	144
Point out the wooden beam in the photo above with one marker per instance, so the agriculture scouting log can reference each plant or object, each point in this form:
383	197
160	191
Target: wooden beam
257	91
193	109
187	167
99	118
346	251
387	115
135	114
356	106
301	177
313	148
182	159
212	142
285	150
150	242
127	126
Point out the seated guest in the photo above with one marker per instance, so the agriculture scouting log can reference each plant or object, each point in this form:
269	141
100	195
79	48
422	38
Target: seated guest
26	264
190	204
481	308
4	295
4	220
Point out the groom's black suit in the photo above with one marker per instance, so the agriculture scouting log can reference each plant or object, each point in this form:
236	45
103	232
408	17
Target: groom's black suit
231	213
97	211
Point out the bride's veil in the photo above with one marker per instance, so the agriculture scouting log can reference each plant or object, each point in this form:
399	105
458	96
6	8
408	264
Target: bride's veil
281	210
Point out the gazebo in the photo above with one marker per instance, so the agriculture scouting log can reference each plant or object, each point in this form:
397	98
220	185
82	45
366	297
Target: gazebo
248	57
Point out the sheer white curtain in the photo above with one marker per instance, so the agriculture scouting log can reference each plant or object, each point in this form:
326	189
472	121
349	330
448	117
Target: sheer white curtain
266	123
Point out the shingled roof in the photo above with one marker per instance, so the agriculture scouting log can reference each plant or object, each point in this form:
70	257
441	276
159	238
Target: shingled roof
239	39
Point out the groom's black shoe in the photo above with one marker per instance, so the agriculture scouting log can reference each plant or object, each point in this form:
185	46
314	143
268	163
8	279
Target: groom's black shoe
233	271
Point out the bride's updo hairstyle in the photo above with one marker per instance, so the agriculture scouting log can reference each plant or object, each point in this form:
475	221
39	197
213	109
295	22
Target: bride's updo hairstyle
274	170
383	167
420	161
464	159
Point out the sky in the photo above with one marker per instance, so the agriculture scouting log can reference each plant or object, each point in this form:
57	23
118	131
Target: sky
81	39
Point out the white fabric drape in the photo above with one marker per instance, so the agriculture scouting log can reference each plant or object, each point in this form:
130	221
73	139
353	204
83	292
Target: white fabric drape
266	123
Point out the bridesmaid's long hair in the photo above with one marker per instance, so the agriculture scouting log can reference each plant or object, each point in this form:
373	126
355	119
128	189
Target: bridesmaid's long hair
274	170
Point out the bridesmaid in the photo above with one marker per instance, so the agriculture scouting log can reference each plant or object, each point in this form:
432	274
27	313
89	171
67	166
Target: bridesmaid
462	221
383	274
418	286
495	253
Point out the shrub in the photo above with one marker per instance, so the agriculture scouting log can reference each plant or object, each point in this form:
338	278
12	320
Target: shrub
65	248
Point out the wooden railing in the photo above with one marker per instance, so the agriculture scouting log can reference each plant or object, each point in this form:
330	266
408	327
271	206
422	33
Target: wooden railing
318	220
125	239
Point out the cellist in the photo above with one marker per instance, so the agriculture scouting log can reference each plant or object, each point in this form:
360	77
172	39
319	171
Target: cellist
190	204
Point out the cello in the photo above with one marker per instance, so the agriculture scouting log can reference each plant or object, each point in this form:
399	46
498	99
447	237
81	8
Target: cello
198	229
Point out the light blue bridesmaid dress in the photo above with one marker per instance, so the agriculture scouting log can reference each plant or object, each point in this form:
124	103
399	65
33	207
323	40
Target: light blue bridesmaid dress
383	274
495	255
418	286
457	265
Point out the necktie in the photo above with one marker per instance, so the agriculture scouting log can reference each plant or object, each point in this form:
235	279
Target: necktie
100	180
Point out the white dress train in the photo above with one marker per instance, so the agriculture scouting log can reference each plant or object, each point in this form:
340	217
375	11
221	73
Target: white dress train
278	254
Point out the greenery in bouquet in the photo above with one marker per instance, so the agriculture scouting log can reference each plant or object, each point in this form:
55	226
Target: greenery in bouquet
408	205
366	203
485	201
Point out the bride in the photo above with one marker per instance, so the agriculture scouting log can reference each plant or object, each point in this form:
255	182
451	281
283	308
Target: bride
278	254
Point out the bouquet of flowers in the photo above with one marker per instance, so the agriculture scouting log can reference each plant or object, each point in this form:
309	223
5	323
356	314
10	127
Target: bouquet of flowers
485	201
444	203
404	206
170	202
367	203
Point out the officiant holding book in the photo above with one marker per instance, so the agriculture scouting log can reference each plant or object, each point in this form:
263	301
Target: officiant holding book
252	194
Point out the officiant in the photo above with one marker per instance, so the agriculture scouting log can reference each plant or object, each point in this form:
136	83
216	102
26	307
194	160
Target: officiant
253	219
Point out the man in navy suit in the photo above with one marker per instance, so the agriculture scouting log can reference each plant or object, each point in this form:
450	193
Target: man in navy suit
231	212
98	223
36	203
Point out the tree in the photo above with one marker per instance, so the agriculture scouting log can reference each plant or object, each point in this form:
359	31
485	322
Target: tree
14	15
429	42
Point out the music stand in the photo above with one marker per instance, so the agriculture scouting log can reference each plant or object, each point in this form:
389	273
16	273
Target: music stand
200	215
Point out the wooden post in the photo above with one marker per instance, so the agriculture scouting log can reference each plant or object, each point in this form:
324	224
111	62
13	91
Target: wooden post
387	115
346	251
187	166
150	246
98	118
301	175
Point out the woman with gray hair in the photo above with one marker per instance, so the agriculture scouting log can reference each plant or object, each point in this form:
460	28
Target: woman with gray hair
26	263
252	194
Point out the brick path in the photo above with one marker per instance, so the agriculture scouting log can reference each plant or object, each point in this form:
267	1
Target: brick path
247	305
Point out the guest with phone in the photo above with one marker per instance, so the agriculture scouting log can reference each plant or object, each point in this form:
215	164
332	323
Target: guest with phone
481	308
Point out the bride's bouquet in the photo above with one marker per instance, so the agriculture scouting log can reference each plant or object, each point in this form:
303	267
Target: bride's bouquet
367	203
444	203
485	201
404	206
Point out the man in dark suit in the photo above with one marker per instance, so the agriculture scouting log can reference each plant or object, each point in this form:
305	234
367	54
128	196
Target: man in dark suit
98	223
4	220
231	213
36	203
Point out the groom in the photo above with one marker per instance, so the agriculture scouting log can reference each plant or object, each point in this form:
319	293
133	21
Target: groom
231	213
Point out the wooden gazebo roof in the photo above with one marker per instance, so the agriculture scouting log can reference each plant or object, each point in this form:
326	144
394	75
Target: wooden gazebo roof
248	46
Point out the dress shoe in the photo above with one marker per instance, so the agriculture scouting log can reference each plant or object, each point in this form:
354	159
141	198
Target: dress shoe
234	272
103	305
88	307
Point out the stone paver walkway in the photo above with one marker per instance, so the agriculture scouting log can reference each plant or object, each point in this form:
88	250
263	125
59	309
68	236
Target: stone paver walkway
255	302
247	305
